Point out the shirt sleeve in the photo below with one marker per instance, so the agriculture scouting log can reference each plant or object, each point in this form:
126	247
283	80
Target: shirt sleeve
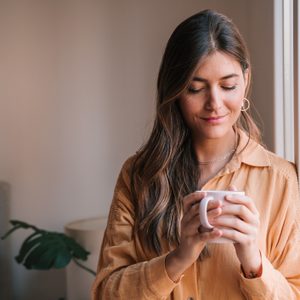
122	273
280	277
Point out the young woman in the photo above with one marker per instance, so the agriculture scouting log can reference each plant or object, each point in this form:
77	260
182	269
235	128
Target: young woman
203	139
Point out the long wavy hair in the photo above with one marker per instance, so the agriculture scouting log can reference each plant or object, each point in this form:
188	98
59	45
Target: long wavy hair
165	168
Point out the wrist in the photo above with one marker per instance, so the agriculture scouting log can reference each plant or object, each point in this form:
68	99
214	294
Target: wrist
174	266
253	269
252	274
177	261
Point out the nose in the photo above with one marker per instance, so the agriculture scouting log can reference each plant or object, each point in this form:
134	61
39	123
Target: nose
214	99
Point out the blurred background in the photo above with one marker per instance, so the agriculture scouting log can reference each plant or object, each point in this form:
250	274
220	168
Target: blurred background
77	95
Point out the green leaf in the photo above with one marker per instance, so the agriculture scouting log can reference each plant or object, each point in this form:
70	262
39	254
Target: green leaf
29	243
43	250
76	250
62	259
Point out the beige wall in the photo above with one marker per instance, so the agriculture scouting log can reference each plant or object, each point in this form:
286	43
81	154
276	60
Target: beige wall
261	47
77	96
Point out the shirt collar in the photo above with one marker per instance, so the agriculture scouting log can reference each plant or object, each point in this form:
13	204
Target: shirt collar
252	153
248	152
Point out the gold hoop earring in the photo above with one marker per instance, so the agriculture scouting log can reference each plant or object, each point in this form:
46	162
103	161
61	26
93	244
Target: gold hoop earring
247	106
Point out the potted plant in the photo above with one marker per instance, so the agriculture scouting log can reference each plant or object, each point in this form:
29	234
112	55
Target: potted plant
44	250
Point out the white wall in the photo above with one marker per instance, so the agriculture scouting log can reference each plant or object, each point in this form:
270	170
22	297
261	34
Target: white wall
77	92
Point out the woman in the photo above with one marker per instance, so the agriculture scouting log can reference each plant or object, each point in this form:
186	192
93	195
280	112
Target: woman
203	139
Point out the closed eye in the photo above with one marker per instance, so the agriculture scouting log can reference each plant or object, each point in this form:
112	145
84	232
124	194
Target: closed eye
229	88
195	91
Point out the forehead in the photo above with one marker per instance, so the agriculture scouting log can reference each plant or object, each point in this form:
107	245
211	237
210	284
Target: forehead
218	65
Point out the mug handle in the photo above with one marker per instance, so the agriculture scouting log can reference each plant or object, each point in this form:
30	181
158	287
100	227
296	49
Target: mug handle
203	212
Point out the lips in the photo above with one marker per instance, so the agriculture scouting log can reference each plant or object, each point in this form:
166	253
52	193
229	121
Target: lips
214	119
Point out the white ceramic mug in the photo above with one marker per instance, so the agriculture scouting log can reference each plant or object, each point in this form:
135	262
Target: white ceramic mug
214	195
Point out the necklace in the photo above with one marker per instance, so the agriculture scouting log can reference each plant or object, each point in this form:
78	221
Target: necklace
227	155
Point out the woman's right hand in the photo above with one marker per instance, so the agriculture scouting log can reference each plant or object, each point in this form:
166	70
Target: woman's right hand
192	236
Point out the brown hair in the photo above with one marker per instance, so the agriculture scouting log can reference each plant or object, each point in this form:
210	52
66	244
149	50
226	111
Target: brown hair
165	168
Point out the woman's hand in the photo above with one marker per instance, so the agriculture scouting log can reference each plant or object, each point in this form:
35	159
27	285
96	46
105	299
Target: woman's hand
192	237
240	223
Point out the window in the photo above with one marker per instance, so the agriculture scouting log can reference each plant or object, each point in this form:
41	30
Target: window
284	79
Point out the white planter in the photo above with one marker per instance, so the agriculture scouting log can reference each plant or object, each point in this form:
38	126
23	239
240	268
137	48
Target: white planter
88	233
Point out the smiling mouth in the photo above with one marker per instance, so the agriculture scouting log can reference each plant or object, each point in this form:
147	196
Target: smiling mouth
213	118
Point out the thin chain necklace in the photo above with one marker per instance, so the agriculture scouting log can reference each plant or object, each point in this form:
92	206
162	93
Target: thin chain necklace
227	155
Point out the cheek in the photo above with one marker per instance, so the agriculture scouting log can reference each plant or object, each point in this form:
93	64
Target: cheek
236	106
236	102
188	108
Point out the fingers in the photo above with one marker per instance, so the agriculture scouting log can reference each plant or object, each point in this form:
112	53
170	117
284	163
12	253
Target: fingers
192	199
236	229
213	204
239	219
243	200
214	212
193	228
191	218
209	235
234	223
241	212
191	206
232	188
190	222
237	236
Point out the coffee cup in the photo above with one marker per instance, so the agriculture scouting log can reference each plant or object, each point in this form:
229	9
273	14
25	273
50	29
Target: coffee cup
215	195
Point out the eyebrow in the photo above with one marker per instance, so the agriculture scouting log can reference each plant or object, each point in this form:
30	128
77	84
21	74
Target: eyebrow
196	78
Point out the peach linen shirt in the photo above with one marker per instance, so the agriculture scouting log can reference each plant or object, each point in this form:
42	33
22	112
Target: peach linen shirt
127	270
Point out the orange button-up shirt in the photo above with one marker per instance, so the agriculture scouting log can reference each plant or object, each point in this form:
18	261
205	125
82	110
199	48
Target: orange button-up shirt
127	270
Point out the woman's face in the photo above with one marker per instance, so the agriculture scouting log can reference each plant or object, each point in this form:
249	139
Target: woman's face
212	103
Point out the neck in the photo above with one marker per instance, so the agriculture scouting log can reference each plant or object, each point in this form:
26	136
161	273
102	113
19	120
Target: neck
214	150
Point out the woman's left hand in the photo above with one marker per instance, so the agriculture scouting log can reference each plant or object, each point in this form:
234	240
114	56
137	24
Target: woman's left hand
240	223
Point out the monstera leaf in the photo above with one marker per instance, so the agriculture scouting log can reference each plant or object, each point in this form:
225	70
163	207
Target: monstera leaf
43	250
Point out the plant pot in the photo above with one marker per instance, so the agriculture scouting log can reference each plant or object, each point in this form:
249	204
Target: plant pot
89	234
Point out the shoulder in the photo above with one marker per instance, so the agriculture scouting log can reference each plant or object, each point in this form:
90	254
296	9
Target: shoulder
127	165
281	165
266	163
256	155
122	206
125	174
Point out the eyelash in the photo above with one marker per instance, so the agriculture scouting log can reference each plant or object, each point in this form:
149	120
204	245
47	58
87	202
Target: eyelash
229	88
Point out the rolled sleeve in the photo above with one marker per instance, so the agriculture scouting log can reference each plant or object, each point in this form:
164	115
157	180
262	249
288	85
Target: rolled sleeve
158	277
124	270
271	285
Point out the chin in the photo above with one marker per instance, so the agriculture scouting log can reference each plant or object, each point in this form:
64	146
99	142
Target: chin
215	133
